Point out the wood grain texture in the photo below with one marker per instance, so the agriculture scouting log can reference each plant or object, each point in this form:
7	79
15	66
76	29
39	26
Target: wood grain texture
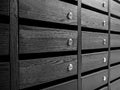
115	24
115	56
70	85
115	40
93	19
115	8
115	72
93	81
37	71
4	39
97	4
115	85
48	10
57	11
4	76
4	7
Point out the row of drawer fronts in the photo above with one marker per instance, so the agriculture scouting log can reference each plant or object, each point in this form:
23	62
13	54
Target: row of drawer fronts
4	76
37	40
32	73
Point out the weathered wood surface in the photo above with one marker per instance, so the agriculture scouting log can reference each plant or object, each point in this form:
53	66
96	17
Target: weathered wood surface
95	80
4	76
70	85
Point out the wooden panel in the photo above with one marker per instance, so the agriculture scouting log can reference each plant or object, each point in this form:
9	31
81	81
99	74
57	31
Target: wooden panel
115	40
115	8
115	56
35	40
4	7
58	11
37	71
115	85
93	81
71	85
99	4
4	76
48	10
4	39
93	61
115	72
93	19
115	24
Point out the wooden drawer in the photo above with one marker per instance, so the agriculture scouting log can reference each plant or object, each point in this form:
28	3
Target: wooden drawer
115	85
115	7
93	61
115	72
38	71
4	7
49	10
115	40
99	4
4	76
71	85
4	39
93	81
115	24
93	19
115	56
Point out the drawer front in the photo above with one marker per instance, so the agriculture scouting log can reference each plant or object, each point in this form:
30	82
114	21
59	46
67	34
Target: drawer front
115	72
115	24
4	7
4	39
93	81
115	56
92	40
99	4
115	7
93	61
38	71
49	10
71	85
93	19
4	76
115	40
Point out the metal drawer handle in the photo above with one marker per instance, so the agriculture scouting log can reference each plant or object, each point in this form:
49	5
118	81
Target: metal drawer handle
104	23
70	67
104	60
104	78
70	15
70	42
104	41
103	4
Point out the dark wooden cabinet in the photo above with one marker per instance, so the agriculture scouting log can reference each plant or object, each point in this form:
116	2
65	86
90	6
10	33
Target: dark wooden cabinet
59	44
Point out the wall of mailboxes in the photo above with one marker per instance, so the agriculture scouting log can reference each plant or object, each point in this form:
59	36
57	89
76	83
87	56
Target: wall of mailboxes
48	44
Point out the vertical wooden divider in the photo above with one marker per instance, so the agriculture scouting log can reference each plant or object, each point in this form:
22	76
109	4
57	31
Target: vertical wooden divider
14	65
79	45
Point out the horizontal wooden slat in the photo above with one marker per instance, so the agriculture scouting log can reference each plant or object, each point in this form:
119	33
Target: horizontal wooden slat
4	76
115	40
4	7
71	85
48	10
99	4
93	19
4	39
38	71
115	24
93	61
93	81
115	8
115	56
115	72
